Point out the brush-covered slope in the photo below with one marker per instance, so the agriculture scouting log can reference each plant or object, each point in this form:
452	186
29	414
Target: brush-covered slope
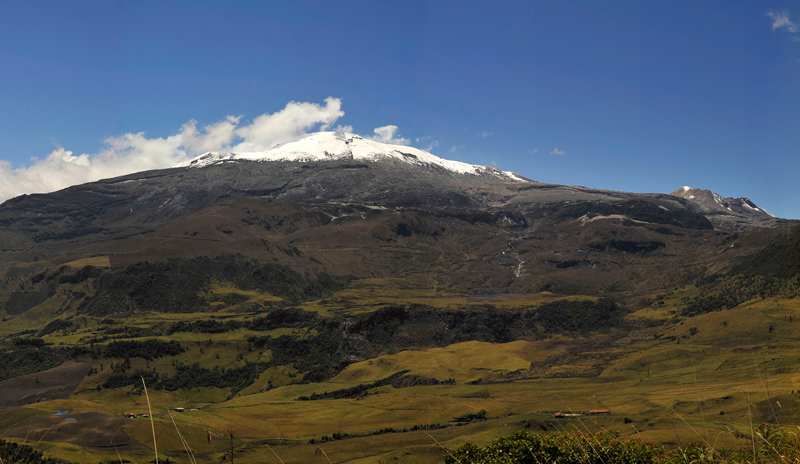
773	272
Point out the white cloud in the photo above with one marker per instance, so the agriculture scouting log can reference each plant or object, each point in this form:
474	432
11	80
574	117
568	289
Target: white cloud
484	134
534	151
385	134
558	152
217	136
296	119
131	152
781	19
431	142
454	148
341	128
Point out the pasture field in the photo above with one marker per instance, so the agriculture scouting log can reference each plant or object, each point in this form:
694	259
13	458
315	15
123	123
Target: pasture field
664	376
705	378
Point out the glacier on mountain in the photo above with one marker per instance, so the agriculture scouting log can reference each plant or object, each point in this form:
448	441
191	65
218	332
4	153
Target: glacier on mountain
329	146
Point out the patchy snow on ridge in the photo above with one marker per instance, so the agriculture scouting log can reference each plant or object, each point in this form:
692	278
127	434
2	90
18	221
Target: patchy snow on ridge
328	146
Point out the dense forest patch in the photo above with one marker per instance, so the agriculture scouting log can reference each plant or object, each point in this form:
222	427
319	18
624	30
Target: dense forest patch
177	285
189	376
489	324
148	349
29	359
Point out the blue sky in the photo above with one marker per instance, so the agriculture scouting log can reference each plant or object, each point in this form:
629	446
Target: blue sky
637	96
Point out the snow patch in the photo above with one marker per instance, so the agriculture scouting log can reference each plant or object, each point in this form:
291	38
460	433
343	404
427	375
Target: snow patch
585	218
746	205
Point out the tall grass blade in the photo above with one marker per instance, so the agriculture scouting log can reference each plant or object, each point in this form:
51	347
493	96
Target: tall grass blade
152	424
276	454
185	443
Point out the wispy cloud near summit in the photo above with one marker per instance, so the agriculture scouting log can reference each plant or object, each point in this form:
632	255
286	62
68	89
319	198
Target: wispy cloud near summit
386	134
134	152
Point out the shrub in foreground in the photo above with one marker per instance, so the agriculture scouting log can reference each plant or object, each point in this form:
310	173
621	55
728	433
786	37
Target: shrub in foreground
568	448
772	446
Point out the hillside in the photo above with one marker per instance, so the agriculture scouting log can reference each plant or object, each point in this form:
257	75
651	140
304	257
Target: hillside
368	304
396	307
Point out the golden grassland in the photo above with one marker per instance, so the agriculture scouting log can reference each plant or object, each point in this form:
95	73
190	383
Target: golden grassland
702	378
367	295
96	261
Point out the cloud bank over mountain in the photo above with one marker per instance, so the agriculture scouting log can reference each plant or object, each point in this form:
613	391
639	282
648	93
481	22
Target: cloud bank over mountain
134	152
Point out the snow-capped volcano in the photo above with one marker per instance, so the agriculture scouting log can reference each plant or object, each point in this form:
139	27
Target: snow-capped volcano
330	146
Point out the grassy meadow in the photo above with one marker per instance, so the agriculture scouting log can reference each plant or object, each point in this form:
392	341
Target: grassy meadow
704	378
665	377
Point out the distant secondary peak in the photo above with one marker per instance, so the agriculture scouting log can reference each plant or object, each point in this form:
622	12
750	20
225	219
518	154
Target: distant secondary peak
714	202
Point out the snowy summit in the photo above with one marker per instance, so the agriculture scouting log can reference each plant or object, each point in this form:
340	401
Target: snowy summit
329	146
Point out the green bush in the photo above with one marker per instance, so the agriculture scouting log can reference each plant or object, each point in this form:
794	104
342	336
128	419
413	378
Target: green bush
772	446
14	453
567	448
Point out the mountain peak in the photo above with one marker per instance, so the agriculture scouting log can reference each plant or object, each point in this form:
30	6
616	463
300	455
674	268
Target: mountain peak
330	146
727	213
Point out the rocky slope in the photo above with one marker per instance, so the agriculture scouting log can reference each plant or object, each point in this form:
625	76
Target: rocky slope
733	214
337	168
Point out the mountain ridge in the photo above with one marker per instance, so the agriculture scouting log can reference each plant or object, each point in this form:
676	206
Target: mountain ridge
732	214
340	169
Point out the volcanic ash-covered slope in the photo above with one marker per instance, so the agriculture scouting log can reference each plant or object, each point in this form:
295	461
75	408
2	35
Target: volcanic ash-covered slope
316	168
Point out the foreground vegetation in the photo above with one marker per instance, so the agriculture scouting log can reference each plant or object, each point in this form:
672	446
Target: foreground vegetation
771	446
